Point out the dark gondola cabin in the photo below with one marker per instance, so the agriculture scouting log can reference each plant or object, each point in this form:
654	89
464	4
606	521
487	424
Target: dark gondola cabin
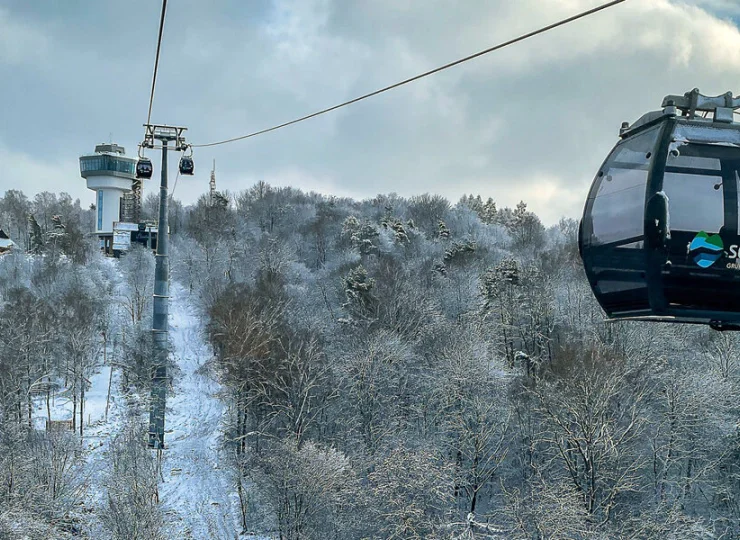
144	168
186	165
659	235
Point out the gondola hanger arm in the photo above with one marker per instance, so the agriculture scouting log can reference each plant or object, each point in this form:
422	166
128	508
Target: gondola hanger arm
694	101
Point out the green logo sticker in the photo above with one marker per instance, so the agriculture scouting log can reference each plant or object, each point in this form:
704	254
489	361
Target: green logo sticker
706	249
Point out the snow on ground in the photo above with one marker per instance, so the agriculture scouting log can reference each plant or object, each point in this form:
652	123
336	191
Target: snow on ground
60	405
97	434
98	430
97	438
197	491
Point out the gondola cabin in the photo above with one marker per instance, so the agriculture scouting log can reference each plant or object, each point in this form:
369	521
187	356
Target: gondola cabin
144	168
186	165
659	235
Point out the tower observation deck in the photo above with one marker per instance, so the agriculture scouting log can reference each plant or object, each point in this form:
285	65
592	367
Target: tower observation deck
112	176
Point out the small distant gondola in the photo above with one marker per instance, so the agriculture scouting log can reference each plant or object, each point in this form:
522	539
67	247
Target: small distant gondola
144	168
659	235
186	165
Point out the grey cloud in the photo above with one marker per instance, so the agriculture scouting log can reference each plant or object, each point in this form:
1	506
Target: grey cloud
531	122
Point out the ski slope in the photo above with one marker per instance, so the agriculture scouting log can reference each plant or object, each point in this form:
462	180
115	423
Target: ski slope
197	492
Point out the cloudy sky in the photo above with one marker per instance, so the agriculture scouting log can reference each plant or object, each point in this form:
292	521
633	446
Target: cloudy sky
531	122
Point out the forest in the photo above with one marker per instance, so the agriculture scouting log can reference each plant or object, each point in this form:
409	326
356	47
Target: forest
389	368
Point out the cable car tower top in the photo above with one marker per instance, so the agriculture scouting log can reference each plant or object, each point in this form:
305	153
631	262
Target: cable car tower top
164	133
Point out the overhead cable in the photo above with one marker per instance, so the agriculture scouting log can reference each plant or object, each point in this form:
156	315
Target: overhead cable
156	60
422	75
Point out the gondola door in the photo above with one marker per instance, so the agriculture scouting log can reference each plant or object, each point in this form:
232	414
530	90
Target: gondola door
612	231
698	273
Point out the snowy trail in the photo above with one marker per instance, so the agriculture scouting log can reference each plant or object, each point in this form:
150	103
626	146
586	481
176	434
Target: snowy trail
197	492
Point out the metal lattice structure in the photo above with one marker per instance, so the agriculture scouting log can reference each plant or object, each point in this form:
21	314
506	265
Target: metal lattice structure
131	203
212	191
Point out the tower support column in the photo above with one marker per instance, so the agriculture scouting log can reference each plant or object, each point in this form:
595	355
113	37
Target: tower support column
160	323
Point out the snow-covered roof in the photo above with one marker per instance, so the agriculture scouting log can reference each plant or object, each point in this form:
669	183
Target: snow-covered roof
6	243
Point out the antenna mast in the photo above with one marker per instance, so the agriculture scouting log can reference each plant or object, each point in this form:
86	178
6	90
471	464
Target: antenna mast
213	183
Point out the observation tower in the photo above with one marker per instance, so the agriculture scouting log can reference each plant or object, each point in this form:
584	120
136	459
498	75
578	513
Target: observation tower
112	175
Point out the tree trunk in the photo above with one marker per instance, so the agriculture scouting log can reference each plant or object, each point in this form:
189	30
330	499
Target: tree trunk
242	501
110	377
74	408
82	404
29	399
48	399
